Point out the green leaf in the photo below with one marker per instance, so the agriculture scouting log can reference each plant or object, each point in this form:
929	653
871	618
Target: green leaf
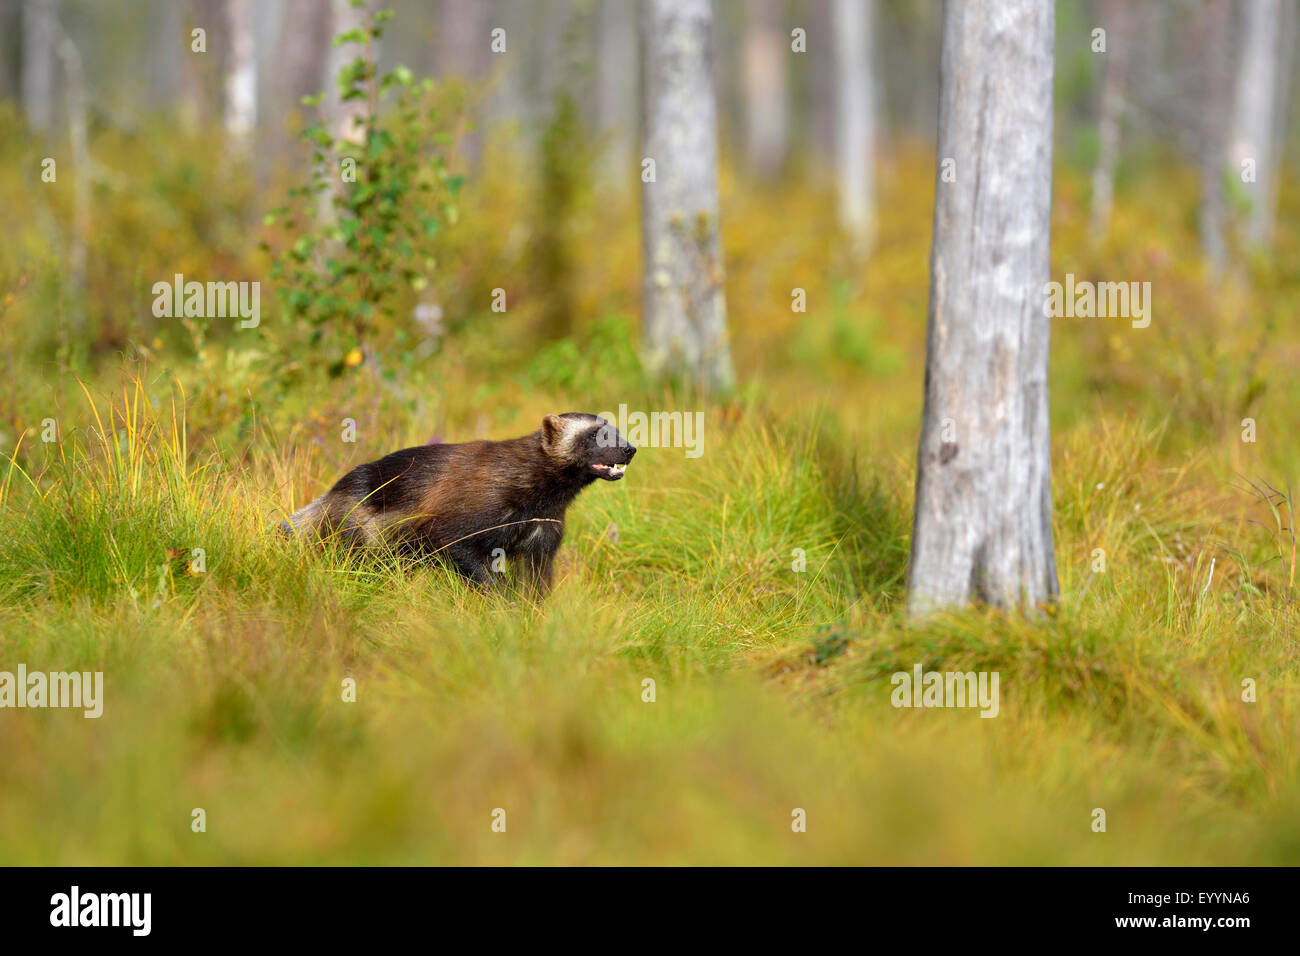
355	35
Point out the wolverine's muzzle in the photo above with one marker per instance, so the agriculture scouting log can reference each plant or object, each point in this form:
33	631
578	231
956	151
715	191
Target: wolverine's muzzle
614	469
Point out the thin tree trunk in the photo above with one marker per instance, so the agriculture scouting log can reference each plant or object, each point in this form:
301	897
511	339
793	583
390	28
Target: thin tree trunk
201	71
301	54
38	64
165	73
241	76
346	119
617	93
462	50
855	129
824	126
1113	90
79	142
983	521
1282	103
1255	112
11	75
684	309
767	108
1214	42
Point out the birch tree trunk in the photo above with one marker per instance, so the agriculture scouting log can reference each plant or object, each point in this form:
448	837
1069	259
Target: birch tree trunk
767	108
983	521
241	75
856	120
1254	113
38	64
345	118
684	310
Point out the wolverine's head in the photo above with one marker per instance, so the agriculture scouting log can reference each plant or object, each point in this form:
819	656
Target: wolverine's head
587	442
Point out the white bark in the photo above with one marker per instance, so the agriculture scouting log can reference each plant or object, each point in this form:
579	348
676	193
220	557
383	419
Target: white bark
241	72
684	309
38	64
767	108
1255	112
983	521
345	118
856	120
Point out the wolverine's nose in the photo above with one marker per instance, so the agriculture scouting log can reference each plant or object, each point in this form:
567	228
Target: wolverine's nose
631	451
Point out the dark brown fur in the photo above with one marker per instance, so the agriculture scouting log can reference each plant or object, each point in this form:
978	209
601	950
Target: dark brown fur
471	504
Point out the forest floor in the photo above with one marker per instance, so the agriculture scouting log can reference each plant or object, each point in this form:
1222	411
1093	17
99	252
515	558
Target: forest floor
226	684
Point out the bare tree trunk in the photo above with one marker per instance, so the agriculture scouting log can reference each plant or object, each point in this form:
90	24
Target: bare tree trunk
1255	112
165	73
462	50
346	119
1282	102
684	308
200	71
1214	42
301	54
983	522
617	94
767	107
79	142
462	38
38	64
855	129
1113	89
241	75
824	126
11	80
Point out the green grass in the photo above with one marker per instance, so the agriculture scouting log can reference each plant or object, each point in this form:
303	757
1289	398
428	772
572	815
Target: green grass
224	688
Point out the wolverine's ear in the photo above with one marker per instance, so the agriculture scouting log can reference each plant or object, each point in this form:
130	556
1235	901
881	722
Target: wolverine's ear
552	429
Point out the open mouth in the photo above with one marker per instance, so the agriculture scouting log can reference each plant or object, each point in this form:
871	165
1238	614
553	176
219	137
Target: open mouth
609	472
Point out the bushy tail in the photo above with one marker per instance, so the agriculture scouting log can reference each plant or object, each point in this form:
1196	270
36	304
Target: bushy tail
303	521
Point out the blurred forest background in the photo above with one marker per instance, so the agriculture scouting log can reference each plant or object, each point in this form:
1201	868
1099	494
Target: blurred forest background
515	178
171	160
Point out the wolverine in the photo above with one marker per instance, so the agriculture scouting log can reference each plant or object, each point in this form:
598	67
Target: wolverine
473	504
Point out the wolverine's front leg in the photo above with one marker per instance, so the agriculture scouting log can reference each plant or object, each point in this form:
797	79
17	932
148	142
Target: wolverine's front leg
473	565
535	571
